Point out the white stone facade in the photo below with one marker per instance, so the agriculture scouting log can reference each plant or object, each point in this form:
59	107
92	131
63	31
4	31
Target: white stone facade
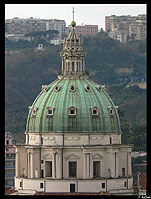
84	149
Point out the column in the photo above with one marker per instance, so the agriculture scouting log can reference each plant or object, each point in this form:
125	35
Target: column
129	164
91	165
85	166
54	166
28	164
58	166
17	164
32	165
62	64
88	166
117	165
83	65
80	65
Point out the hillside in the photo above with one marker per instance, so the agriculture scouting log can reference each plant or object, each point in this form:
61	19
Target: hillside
108	61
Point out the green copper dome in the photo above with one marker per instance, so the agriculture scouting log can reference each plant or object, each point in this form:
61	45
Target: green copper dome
73	103
59	96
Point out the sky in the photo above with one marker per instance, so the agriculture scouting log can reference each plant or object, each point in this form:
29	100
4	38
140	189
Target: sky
93	14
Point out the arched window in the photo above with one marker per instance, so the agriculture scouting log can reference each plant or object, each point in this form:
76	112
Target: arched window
72	66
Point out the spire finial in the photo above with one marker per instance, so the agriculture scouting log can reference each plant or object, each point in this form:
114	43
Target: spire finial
73	23
73	13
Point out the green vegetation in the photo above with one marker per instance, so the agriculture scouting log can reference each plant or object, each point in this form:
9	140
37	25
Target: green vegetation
108	61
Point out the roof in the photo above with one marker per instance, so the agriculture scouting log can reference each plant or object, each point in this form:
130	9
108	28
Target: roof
82	100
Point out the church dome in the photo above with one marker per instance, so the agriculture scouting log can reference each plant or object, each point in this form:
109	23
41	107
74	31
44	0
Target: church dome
73	103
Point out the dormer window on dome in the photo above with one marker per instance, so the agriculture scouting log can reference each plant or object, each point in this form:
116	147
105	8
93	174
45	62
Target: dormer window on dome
111	111
50	111
95	111
72	111
34	111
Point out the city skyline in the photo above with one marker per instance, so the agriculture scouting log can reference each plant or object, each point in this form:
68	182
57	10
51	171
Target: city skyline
93	14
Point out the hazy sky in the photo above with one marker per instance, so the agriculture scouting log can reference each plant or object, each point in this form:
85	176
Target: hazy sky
84	13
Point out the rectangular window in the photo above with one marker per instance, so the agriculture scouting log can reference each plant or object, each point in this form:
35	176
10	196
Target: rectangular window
20	184
72	169
7	149
42	173
7	142
103	185
96	169
48	168
123	171
72	188
41	185
41	140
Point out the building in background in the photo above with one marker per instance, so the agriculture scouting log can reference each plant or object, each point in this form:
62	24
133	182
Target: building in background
84	30
141	183
23	26
9	160
57	41
126	27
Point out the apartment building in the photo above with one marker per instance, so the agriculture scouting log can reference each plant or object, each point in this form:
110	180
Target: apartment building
85	30
24	26
55	24
126	27
9	160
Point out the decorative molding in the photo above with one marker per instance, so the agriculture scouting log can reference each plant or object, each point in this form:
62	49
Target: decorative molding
96	138
31	137
51	139
72	156
48	156
72	138
97	156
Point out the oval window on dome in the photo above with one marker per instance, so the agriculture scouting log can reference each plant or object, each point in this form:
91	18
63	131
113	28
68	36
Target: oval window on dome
87	88
95	111
45	87
99	87
57	88
72	88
